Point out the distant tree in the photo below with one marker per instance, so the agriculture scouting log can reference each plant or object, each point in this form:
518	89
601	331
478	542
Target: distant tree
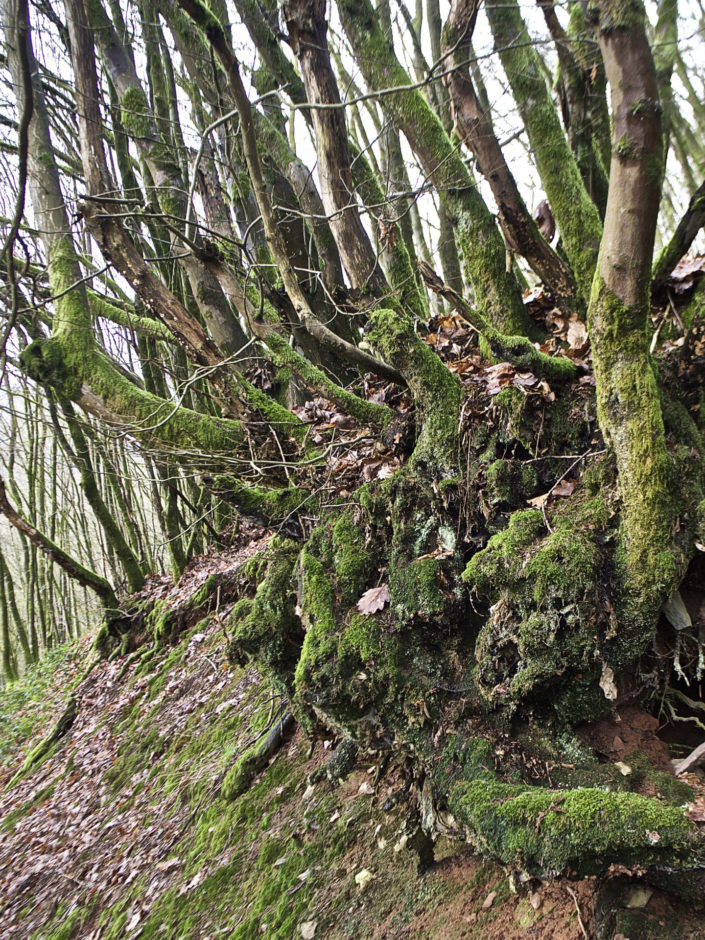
234	209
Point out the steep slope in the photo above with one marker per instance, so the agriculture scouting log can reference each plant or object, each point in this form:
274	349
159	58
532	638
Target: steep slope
123	829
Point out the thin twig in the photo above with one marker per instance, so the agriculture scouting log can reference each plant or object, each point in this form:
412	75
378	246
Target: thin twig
577	908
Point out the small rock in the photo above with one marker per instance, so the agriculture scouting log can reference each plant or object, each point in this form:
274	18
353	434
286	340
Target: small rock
489	901
639	896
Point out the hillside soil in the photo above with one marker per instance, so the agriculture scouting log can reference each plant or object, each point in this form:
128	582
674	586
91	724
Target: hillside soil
122	830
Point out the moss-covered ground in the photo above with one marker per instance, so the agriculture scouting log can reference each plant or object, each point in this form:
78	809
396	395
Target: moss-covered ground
123	830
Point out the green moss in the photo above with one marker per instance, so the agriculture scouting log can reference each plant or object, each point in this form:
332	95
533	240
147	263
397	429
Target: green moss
241	774
271	504
621	15
135	113
513	403
504	554
511	482
546	593
415	590
626	149
162	623
15	815
657	486
203	594
644	107
366	412
64	364
267	628
668	787
43	361
544	831
436	391
599	475
70	924
353	559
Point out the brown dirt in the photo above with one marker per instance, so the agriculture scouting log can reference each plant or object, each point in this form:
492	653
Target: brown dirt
630	729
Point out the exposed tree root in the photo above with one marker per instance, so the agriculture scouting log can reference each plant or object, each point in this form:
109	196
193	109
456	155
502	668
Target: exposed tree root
245	769
40	751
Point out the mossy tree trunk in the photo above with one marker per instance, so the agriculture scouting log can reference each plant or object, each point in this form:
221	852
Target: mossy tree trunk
629	400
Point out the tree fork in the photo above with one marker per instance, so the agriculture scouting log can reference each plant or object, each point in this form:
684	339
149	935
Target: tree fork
479	240
474	127
206	21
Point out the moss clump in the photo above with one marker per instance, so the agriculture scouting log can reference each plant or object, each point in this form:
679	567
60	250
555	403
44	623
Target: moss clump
511	482
668	787
244	770
164	623
599	476
626	15
436	391
266	627
266	503
626	149
203	595
415	590
504	554
43	361
135	113
546	831
353	560
547	594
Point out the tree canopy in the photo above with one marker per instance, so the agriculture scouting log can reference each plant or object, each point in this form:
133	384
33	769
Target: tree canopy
382	281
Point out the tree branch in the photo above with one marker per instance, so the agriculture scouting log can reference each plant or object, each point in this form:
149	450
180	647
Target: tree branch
681	240
73	568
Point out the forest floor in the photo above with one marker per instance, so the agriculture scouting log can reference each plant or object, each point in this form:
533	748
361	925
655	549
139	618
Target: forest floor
122	832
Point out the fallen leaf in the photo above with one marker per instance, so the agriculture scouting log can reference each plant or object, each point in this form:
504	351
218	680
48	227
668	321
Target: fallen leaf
374	599
363	878
564	488
539	501
696	811
577	334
